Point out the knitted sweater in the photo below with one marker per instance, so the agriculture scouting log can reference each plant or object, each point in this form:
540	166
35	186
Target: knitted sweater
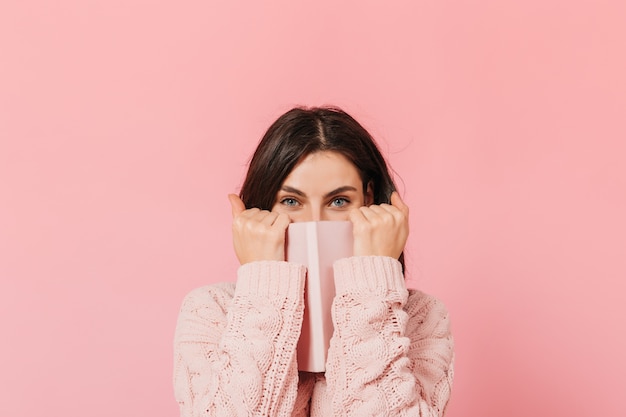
391	353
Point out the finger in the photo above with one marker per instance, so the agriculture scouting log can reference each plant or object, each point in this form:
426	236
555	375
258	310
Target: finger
395	211
378	209
236	204
383	215
282	221
371	213
356	216
253	213
396	201
268	217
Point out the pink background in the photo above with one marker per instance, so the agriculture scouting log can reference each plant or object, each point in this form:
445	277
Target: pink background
124	124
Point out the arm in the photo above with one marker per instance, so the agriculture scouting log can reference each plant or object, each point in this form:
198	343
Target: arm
236	356
391	354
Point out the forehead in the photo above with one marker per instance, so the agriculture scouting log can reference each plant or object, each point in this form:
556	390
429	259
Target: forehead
323	169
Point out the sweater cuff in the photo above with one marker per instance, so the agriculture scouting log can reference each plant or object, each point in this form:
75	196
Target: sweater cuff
371	274
271	279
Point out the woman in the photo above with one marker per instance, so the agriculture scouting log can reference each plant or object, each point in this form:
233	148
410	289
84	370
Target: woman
235	343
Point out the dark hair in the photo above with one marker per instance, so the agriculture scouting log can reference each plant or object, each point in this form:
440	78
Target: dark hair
302	131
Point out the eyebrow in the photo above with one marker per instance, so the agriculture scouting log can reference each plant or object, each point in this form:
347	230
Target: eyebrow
331	193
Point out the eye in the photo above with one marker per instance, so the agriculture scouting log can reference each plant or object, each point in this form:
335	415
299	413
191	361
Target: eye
289	202
339	202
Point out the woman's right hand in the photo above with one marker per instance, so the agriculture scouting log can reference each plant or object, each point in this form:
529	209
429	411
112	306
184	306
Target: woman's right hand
258	235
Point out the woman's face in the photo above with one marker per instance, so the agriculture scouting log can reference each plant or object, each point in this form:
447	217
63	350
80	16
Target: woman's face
325	185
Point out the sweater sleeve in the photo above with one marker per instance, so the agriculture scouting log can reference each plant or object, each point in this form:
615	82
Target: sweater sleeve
392	352
234	351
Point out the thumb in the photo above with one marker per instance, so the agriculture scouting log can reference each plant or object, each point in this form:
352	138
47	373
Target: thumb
236	204
397	202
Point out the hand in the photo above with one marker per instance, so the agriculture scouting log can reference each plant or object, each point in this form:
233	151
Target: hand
381	230
258	235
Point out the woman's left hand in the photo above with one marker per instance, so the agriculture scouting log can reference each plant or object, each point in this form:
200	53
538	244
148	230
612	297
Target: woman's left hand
381	230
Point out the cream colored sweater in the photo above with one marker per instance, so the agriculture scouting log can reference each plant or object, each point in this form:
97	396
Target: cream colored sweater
235	346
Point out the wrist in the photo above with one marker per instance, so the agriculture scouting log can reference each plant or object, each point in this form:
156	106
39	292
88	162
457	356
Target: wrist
370	274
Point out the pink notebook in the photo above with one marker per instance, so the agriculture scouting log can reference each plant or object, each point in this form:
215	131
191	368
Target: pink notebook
317	245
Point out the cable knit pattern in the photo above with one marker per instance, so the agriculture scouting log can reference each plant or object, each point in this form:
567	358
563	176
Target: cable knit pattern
391	353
